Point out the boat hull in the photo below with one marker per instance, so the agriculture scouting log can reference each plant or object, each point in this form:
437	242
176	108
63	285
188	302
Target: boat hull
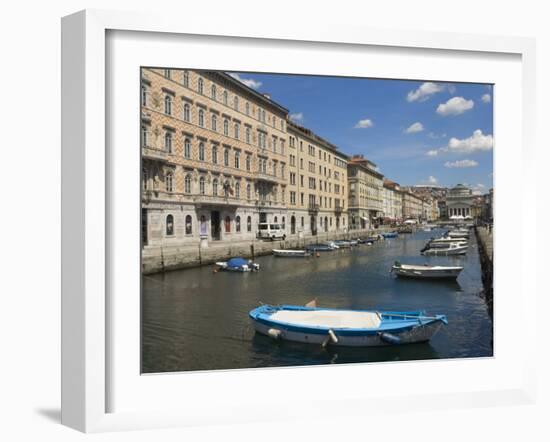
445	252
291	253
427	274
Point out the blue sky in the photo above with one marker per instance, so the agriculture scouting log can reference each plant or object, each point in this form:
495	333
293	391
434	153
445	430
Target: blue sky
416	132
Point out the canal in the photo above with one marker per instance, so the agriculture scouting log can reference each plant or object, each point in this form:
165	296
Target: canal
195	319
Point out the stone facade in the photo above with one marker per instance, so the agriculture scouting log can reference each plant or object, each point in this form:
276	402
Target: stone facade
460	202
393	201
365	192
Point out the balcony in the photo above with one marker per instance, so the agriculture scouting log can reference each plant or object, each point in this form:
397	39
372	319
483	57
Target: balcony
152	153
313	208
218	200
264	176
338	208
261	204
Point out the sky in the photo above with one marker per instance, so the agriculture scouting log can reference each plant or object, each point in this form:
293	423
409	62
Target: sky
416	132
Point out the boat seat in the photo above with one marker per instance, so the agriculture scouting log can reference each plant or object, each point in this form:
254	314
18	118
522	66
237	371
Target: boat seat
327	318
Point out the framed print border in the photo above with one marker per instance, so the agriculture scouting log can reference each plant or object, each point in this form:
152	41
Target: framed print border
86	311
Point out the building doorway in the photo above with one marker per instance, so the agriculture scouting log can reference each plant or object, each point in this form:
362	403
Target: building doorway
313	223
292	225
215	225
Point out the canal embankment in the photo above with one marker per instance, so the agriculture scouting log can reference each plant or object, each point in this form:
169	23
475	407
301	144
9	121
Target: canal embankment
484	236
167	258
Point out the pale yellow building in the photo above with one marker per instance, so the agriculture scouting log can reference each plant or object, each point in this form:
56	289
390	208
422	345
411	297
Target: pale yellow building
366	202
317	184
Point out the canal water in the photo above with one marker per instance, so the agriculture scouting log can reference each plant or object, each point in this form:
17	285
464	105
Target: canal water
195	319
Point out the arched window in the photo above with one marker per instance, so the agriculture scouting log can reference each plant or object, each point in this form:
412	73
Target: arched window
200	86
237	130
247	108
187	112
201	185
214	123
238	190
283	221
187	148
225	97
188	225
302	223
292	225
238	224
247	135
214	154
249	224
225	127
169	225
169	180
248	191
237	160
168	142
248	162
236	103
201	118
186	78
168	105
263	116
187	186
201	152
226	157
213	91
215	187
275	219
227	224
204	226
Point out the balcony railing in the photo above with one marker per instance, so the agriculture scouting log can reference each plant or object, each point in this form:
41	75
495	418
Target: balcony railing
338	208
313	207
152	153
264	176
269	203
198	199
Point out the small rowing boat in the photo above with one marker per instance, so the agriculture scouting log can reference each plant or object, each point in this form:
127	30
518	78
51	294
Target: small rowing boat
354	328
291	253
426	271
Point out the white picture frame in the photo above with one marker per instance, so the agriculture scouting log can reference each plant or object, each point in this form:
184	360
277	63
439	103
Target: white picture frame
87	315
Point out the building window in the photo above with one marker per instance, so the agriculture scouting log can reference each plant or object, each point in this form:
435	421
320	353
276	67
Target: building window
168	142
201	186
238	224
302	222
214	123
247	108
213	91
169	225
201	118
200	86
248	162
187	112
144	136
236	103
237	160
168	105
237	190
247	131
186	78
145	178
227	224
225	99
214	154
201	152
275	219
143	95
187	148
169	181
226	157
226	127
237	130
248	191
259	114
188	225
263	116
215	187
249	224
167	73
187	186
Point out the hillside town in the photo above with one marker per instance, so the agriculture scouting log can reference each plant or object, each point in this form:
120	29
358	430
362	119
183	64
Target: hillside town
222	162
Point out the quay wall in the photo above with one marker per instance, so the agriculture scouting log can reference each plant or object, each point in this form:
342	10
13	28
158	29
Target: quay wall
484	238
161	259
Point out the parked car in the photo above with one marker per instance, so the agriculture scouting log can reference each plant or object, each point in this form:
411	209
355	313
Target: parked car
271	231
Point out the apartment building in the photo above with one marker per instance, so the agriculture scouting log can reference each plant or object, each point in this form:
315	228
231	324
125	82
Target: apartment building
365	192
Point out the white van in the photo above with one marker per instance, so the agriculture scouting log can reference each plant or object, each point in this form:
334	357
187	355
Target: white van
271	231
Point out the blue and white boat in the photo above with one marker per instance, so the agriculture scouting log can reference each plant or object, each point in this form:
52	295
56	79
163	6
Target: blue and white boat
386	235
321	247
238	265
353	328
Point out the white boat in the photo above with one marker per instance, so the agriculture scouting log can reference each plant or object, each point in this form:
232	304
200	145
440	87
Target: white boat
448	239
426	271
458	234
291	253
453	249
445	244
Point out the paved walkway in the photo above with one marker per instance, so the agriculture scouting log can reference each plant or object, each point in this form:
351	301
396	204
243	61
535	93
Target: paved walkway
486	240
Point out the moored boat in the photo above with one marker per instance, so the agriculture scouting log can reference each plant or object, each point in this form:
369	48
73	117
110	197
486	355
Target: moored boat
342	244
291	253
340	327
390	234
426	271
320	248
238	265
453	249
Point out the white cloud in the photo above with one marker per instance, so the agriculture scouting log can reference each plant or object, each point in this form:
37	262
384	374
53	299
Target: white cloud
432	153
424	91
364	124
432	180
480	185
250	82
486	98
415	127
461	164
298	117
455	106
477	142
